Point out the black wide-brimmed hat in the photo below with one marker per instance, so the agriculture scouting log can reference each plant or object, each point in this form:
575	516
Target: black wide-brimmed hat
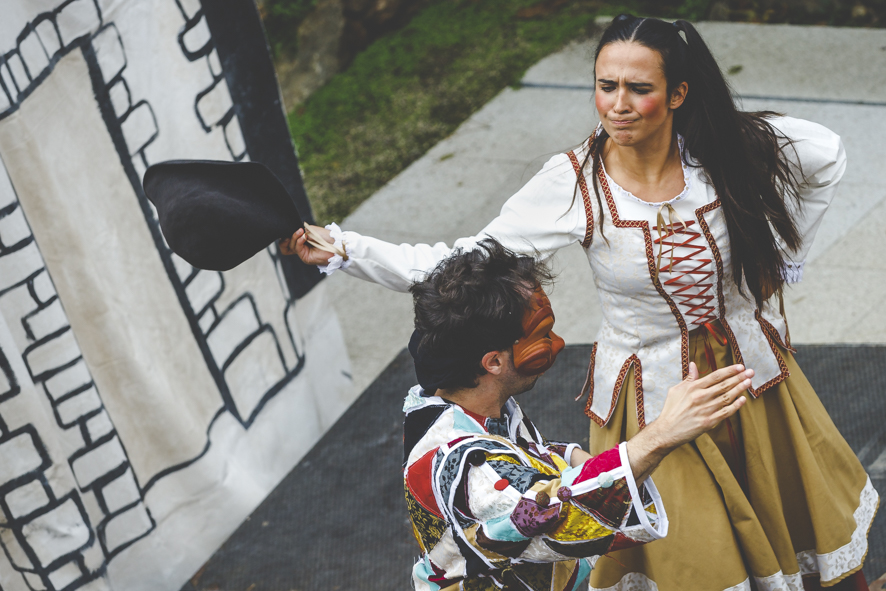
215	214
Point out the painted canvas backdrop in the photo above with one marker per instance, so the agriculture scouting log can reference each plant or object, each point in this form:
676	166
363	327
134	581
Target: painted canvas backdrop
146	407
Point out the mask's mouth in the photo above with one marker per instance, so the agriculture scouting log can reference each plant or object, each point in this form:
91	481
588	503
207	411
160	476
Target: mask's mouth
536	350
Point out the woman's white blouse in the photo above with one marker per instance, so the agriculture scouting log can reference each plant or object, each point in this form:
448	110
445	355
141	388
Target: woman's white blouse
682	255
646	317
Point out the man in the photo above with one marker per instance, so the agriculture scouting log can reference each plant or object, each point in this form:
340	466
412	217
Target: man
493	503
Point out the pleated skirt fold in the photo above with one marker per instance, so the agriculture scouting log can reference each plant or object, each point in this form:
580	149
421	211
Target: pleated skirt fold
771	496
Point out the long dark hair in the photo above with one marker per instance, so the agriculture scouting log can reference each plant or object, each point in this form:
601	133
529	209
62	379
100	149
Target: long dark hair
741	153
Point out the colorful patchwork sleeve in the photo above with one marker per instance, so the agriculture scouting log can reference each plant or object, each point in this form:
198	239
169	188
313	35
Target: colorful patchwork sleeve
506	507
563	449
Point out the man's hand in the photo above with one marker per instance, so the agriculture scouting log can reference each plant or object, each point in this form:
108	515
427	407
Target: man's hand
298	244
694	406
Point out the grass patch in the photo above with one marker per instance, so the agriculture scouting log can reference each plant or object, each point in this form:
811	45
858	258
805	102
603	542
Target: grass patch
411	89
281	19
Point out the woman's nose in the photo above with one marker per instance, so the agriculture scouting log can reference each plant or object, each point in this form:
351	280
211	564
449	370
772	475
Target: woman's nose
621	102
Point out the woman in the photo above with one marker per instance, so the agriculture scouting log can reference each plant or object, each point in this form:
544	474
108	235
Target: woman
699	214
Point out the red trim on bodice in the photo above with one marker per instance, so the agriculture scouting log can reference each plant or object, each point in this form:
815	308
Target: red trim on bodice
586	199
690	284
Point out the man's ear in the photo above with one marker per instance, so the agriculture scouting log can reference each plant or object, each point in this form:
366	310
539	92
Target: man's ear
494	362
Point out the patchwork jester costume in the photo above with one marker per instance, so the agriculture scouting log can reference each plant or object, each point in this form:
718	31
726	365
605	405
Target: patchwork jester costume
494	505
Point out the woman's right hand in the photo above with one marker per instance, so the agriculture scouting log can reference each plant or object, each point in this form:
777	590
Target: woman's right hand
298	244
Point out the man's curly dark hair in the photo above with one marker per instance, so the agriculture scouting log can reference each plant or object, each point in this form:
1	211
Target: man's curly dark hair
473	303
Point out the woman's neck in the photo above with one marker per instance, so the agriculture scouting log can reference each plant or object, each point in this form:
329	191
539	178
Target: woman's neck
651	170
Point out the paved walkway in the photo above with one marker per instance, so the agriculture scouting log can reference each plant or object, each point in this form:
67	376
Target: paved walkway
362	515
834	76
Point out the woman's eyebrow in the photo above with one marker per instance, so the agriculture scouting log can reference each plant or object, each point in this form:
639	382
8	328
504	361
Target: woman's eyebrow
607	81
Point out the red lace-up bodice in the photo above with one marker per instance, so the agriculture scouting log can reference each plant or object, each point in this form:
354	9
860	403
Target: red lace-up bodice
684	273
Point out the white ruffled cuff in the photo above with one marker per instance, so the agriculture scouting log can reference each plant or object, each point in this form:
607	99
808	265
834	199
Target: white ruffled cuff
337	261
792	272
660	529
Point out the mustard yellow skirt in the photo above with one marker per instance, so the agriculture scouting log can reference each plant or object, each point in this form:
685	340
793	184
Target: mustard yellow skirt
774	495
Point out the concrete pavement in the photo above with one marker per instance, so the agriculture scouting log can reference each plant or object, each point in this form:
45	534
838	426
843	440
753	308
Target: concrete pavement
835	76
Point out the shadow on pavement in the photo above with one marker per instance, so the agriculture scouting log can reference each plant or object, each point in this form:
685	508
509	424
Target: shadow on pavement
338	520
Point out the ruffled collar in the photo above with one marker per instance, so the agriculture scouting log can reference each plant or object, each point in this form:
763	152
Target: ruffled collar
687	181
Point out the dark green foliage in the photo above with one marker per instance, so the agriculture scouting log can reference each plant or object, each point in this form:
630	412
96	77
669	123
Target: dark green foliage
842	13
281	19
692	10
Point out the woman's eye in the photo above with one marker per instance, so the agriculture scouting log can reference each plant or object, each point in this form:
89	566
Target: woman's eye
641	91
607	88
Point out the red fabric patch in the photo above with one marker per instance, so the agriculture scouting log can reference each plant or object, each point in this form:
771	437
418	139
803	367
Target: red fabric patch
479	418
605	462
420	480
621	542
501	484
454	441
439	575
608	505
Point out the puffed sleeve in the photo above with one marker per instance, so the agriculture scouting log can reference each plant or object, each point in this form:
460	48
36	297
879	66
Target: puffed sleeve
506	509
819	161
541	218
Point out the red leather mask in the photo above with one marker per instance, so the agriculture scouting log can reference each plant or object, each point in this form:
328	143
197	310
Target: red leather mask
535	351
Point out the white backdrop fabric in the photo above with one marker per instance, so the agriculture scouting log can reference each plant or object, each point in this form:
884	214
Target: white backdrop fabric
146	407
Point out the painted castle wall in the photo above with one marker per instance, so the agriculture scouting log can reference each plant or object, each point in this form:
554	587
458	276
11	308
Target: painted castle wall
146	407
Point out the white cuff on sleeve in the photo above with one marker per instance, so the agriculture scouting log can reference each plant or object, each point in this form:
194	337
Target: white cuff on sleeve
337	261
660	529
